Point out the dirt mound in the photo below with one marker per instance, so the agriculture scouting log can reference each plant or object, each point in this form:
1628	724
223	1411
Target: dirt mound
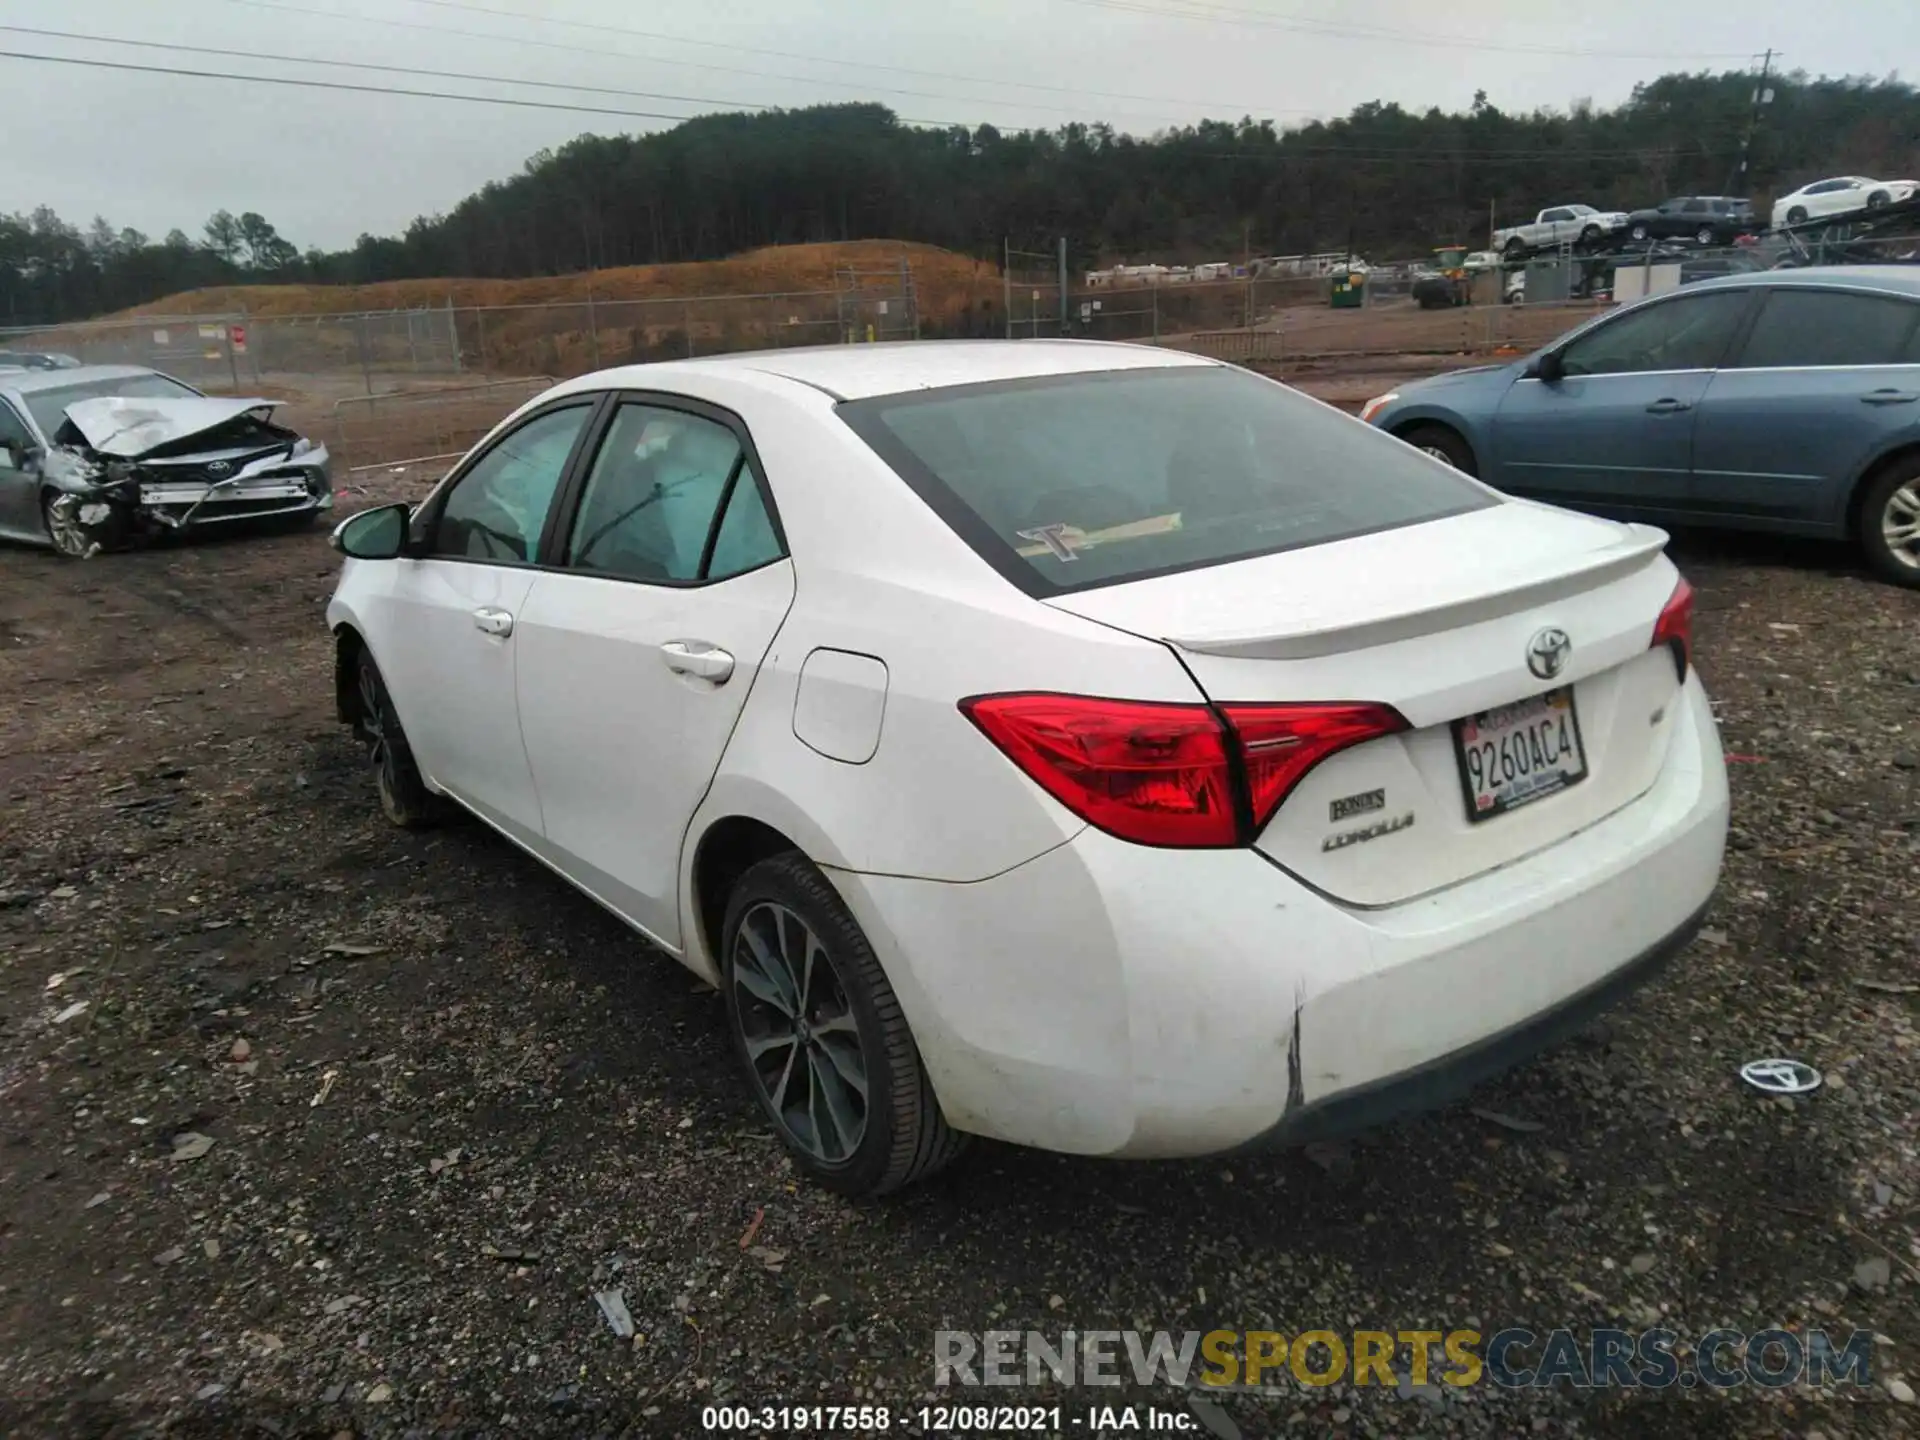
944	281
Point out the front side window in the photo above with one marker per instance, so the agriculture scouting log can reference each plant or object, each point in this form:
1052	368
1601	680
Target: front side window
1555	216
1831	327
1690	333
652	507
1073	481
497	510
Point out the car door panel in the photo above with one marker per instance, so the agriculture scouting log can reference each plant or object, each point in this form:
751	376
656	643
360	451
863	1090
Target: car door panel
1821	385
638	649
628	696
453	684
445	631
1616	431
19	487
1601	440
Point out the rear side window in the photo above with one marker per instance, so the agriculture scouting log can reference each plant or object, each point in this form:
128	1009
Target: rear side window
670	499
1074	481
1829	327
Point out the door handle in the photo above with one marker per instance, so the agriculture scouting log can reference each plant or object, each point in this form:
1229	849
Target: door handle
699	659
1889	396
1668	406
491	621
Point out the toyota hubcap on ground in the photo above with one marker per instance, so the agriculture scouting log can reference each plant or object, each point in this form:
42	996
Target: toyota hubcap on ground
800	1034
1900	524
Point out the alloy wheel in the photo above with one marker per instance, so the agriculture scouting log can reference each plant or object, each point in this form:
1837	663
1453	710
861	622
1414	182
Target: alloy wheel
381	749
1900	524
801	1037
64	529
1437	453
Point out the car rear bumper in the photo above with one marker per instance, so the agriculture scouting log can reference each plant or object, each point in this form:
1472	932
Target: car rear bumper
1109	999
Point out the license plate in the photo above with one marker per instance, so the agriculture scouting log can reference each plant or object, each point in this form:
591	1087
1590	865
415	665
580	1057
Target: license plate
1519	753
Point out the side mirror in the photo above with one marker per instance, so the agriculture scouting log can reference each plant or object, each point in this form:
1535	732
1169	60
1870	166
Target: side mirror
21	454
373	534
1546	367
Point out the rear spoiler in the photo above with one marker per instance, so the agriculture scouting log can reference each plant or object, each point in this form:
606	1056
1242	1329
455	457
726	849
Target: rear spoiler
1636	550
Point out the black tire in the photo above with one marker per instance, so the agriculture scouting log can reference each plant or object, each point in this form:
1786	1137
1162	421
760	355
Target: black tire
1703	236
1443	444
1797	215
1589	235
1892	498
903	1136
1639	232
1879	200
1515	248
404	797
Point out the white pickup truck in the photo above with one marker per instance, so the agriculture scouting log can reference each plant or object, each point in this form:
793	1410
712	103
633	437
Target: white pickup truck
1558	225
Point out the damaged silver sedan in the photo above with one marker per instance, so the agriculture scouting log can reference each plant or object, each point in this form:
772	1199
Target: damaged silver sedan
106	456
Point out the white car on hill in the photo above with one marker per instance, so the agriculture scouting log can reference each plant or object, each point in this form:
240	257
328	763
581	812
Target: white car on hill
1088	746
1841	195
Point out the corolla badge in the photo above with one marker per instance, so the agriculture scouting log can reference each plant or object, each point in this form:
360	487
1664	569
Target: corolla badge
1547	652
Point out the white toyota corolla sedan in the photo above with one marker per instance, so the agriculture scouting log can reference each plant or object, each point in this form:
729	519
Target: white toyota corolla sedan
1088	746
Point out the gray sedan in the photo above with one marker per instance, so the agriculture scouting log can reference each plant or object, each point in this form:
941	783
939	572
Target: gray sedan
104	456
1785	400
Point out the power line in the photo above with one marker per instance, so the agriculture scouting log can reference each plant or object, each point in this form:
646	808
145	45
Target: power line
339	85
1280	151
863	87
388	69
1207	12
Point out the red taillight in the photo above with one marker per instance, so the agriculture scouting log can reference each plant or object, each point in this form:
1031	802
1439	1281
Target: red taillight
1674	628
1281	743
1169	774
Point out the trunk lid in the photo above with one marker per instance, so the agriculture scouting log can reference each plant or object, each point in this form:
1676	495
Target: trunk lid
1436	620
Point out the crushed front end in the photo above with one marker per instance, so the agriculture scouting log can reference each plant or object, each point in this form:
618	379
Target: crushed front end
129	471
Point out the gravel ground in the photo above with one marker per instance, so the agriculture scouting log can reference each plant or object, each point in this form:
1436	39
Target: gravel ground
435	1099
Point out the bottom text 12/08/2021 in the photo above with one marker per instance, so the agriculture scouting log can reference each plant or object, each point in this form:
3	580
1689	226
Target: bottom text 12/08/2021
1091	1420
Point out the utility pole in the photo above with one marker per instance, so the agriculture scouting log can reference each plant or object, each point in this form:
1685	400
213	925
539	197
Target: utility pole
1761	96
1066	321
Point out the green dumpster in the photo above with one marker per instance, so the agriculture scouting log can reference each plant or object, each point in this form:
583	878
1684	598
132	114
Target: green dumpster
1349	291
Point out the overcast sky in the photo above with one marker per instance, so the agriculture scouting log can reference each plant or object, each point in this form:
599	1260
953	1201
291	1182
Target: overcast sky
157	151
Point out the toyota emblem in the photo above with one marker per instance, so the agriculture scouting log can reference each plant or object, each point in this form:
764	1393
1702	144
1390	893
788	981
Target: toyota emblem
1547	652
218	469
1781	1077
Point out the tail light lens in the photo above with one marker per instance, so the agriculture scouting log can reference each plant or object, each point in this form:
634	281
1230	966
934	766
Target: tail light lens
1674	628
1173	775
1280	743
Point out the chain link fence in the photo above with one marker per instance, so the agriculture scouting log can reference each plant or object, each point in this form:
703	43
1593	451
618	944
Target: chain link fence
204	350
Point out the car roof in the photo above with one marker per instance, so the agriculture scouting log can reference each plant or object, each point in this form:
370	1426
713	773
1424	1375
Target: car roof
25	382
858	372
1904	279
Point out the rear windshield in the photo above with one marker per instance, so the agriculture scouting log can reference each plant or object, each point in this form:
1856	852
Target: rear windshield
49	406
1074	481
